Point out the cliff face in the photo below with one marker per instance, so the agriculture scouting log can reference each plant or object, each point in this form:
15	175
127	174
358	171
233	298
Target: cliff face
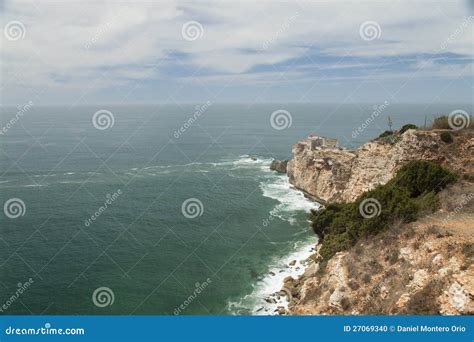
421	268
337	175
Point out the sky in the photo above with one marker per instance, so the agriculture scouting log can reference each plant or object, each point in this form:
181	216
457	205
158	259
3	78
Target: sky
88	52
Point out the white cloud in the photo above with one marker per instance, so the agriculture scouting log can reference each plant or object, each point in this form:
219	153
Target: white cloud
78	42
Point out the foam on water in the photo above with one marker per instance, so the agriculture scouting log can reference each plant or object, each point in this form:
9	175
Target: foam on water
291	200
273	185
265	298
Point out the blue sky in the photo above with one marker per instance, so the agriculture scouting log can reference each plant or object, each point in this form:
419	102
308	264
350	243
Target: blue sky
77	53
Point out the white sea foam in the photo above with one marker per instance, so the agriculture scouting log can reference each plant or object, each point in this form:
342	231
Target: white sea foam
264	299
251	161
291	200
275	186
243	160
45	175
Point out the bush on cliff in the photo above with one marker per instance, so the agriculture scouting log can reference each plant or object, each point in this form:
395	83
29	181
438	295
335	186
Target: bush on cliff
446	137
388	137
385	134
406	128
412	190
391	137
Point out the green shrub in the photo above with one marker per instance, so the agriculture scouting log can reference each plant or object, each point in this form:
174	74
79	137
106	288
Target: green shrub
334	243
407	127
385	134
420	177
412	190
388	137
446	137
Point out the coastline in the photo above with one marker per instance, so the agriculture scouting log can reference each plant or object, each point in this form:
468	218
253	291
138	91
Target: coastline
269	296
275	289
401	278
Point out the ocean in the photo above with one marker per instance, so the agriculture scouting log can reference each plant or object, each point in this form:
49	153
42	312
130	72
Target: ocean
171	209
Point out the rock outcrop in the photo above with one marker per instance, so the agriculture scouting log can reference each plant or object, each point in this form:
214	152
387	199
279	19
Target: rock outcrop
332	174
279	165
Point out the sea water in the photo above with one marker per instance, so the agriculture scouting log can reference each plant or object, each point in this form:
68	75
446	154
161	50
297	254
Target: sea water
105	208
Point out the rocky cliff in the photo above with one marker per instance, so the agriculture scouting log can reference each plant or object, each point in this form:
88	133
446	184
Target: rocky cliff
332	174
419	268
422	268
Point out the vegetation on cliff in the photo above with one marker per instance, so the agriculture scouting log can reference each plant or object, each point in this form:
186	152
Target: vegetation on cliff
442	122
391	137
446	137
411	191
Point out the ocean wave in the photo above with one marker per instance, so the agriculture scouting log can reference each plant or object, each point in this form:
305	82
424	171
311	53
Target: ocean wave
74	182
264	299
22	185
290	200
247	161
242	161
44	175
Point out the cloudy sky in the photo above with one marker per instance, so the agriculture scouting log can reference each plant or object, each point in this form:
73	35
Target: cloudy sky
89	52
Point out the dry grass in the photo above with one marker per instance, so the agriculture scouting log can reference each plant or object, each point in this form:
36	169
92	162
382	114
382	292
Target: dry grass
442	122
425	301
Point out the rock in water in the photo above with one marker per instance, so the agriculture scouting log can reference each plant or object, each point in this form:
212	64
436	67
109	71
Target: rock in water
279	165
